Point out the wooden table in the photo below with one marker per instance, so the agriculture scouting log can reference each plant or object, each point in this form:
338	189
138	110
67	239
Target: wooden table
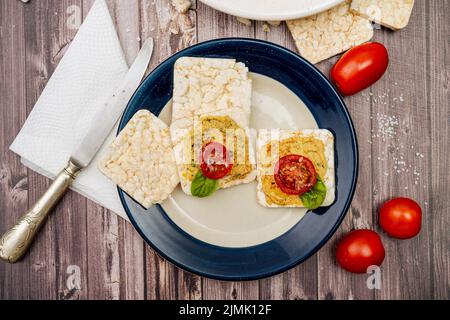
403	131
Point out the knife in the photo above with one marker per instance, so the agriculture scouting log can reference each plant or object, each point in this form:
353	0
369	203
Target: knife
15	242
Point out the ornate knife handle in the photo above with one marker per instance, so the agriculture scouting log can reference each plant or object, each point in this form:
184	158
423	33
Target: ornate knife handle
15	242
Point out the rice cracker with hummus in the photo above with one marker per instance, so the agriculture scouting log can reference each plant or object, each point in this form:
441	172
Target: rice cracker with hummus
295	168
216	152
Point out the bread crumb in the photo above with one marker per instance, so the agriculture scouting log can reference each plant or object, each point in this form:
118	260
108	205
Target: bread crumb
274	23
181	6
245	21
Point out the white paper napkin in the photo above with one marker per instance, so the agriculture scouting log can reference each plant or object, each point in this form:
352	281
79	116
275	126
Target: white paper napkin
88	74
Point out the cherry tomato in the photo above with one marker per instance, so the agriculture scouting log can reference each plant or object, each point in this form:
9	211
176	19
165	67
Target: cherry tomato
295	174
359	250
215	162
360	67
401	218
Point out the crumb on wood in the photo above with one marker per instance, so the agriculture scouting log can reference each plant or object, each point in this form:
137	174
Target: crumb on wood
174	28
245	21
266	27
181	6
274	23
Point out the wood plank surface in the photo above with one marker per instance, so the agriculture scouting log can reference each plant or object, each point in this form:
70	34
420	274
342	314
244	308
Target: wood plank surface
402	125
401	141
14	181
438	97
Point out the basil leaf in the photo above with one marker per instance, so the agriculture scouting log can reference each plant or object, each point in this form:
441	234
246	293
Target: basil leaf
314	198
202	186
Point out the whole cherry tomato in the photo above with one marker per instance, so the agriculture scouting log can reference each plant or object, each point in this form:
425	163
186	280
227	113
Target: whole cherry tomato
360	67
401	218
359	250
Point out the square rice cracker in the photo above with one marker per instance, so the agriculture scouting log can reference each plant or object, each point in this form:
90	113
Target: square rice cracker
274	136
393	14
141	160
205	85
181	131
329	33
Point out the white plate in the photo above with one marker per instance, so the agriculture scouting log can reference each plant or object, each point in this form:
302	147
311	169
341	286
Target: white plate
271	10
244	223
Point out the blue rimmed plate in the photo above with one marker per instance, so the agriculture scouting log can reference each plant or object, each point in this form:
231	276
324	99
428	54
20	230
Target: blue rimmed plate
229	236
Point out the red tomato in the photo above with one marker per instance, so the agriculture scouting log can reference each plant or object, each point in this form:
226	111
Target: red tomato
360	67
359	250
295	174
401	218
215	162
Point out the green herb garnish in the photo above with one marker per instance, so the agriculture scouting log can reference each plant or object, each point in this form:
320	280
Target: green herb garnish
314	198
202	186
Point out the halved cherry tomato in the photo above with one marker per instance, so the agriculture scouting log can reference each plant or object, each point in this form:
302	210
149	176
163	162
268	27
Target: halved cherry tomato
295	174
215	162
359	250
401	218
360	67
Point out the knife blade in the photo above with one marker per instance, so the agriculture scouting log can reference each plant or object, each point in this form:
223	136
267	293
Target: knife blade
16	241
105	120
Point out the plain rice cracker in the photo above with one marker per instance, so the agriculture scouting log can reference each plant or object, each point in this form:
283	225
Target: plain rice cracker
393	14
329	33
205	85
266	164
141	160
